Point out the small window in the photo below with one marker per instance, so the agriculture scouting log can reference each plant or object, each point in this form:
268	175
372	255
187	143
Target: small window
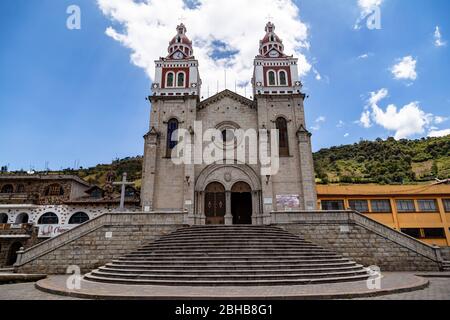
405	206
20	188
446	204
412	232
96	193
434	233
271	78
54	190
78	218
8	188
381	206
3	218
22	218
359	205
48	218
283	139
172	139
180	79
130	192
331	205
427	205
283	78
170	80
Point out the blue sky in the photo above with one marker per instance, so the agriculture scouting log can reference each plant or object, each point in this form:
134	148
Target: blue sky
76	95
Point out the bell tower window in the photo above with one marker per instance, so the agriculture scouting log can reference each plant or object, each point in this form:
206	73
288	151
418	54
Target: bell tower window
283	78
180	79
283	141
271	78
170	80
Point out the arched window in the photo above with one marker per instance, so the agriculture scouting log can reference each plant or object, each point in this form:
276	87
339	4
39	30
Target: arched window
12	254
180	79
271	78
78	218
54	190
3	218
48	218
170	80
22	218
172	139
283	78
7	188
283	141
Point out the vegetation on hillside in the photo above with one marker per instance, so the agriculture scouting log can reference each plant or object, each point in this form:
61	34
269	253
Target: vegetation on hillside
385	161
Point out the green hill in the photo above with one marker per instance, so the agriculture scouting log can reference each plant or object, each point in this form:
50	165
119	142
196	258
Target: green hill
380	161
385	161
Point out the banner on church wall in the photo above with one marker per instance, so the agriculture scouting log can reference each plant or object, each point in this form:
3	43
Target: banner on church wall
288	202
52	230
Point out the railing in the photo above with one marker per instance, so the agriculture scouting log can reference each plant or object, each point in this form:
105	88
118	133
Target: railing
107	219
348	217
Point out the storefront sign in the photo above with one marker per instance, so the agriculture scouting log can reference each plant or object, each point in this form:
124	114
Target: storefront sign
52	230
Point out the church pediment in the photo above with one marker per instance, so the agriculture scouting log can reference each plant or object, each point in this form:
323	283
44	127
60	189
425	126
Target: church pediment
226	94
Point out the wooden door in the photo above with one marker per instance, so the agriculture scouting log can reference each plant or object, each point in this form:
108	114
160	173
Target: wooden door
215	207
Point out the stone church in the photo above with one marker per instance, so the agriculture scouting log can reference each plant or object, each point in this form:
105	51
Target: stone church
231	192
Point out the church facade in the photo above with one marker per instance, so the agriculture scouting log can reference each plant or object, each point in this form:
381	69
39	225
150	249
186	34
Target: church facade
228	192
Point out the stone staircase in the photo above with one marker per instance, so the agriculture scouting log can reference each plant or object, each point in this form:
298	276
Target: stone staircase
229	256
446	266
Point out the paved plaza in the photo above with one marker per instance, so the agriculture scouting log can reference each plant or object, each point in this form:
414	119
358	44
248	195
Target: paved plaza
438	289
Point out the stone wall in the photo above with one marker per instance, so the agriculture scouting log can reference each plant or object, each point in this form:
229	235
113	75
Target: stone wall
97	242
362	239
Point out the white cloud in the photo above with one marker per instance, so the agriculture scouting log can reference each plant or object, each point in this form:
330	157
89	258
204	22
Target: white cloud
346	135
439	119
321	119
318	121
366	7
340	124
439	133
405	122
363	56
146	27
365	119
438	42
405	69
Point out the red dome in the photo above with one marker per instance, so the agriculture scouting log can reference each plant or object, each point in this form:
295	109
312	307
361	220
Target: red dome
180	43
270	40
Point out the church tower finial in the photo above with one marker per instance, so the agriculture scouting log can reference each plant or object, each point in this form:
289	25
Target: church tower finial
180	47
271	41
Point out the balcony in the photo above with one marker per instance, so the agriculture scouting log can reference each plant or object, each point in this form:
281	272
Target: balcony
18	198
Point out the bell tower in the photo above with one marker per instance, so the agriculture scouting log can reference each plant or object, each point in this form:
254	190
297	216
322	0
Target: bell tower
274	71
174	96
177	74
280	105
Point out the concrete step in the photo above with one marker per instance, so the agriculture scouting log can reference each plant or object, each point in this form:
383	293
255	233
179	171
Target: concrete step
215	277
202	266
227	262
223	255
220	271
6	270
257	282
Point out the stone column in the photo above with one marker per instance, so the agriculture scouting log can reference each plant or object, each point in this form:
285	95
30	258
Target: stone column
228	215
255	208
307	169
149	170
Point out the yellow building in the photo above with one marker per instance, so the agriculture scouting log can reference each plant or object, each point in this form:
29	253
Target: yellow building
421	211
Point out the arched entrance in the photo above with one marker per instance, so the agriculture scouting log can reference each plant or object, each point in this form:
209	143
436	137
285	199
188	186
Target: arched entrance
241	203
215	207
12	254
